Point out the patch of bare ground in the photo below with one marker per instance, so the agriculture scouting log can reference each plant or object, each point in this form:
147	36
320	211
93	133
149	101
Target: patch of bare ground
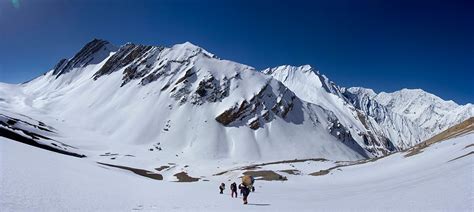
291	171
347	163
258	166
320	173
183	177
265	175
161	168
462	128
141	172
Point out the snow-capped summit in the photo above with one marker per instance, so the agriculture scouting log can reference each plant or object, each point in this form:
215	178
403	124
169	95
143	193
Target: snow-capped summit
305	77
362	91
428	113
92	53
428	110
191	48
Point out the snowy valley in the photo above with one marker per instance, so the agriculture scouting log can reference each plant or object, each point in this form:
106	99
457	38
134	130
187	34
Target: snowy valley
116	127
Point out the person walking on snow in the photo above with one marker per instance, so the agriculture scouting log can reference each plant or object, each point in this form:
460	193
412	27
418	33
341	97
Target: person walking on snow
233	188
222	187
241	186
245	192
247	182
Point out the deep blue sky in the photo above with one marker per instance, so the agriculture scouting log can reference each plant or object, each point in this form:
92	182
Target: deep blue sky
380	44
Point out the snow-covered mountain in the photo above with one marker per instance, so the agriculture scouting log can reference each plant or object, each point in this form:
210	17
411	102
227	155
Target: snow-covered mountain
311	86
427	110
183	103
398	128
388	121
414	108
177	103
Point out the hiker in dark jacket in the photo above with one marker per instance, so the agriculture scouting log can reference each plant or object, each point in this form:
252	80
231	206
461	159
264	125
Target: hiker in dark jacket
233	188
245	192
222	187
241	186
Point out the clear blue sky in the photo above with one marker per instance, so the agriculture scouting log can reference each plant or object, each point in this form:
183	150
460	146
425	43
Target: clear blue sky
380	44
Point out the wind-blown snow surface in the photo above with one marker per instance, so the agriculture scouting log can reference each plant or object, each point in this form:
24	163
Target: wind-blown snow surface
37	180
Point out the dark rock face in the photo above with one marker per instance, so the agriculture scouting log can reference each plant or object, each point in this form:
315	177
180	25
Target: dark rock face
261	109
89	54
343	134
134	57
211	90
169	67
369	106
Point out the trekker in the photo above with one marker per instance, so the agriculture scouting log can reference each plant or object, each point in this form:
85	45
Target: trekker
241	186
245	192
222	187
247	182
233	188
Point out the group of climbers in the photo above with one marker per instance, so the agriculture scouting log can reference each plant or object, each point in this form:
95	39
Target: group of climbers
245	187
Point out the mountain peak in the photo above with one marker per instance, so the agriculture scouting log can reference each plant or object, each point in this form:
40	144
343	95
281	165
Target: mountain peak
289	69
362	91
413	90
92	53
414	95
188	47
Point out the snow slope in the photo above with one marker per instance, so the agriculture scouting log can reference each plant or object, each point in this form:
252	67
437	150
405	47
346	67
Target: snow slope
401	129
396	120
380	135
35	179
182	102
177	103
